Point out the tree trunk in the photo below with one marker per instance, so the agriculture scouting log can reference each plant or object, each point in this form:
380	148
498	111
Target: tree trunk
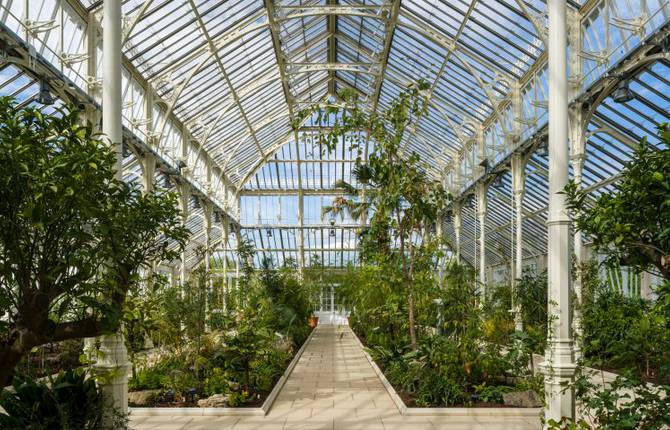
412	327
22	339
19	341
410	298
408	283
9	358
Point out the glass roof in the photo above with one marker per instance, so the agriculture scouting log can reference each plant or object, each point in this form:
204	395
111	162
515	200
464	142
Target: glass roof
230	76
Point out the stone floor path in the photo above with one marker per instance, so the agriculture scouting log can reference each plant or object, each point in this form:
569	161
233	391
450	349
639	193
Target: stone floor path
333	386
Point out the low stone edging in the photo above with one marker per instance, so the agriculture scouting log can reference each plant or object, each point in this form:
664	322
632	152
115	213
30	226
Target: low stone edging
260	411
454	412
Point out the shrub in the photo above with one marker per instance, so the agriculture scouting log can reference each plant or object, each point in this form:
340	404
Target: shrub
625	332
69	402
146	379
531	296
217	382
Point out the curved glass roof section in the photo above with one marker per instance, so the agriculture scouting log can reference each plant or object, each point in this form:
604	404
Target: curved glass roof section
229	77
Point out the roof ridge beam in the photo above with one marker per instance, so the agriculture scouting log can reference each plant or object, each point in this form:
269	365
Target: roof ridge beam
331	29
390	26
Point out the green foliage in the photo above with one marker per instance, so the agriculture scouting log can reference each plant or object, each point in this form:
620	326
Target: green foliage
531	297
245	344
626	404
498	324
624	332
631	226
251	345
292	300
170	328
492	394
245	254
72	236
50	358
70	401
621	330
402	200
243	361
141	313
146	379
217	382
373	294
397	303
445	370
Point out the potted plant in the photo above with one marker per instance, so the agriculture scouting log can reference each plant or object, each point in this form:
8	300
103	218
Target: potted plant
313	321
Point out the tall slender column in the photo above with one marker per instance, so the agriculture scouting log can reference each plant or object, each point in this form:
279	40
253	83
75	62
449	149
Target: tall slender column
440	236
456	214
579	250
113	353
559	364
456	219
148	162
111	69
148	173
481	215
208	255
240	293
184	193
518	188
577	158
301	207
92	115
226	232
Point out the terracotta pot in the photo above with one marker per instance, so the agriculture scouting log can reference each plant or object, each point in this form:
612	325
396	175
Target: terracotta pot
313	321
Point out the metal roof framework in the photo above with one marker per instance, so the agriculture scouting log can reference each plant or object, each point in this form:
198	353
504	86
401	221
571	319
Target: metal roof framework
213	88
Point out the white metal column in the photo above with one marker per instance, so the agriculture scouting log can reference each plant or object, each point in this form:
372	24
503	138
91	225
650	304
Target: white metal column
577	157
559	364
238	289
184	195
440	235
481	215
148	172
208	213
183	203
456	219
518	189
225	286
301	207
113	357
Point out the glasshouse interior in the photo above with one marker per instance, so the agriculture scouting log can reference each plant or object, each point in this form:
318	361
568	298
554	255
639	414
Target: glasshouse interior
334	214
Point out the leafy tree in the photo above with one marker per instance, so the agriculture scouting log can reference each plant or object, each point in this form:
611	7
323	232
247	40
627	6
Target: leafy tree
245	253
141	314
631	225
72	236
404	202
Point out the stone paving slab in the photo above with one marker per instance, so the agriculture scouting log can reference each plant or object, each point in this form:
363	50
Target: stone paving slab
334	387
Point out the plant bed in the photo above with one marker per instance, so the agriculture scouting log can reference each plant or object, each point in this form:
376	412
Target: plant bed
237	363
259	406
406	403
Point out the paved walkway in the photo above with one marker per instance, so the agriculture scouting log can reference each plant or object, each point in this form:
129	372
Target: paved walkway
334	387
